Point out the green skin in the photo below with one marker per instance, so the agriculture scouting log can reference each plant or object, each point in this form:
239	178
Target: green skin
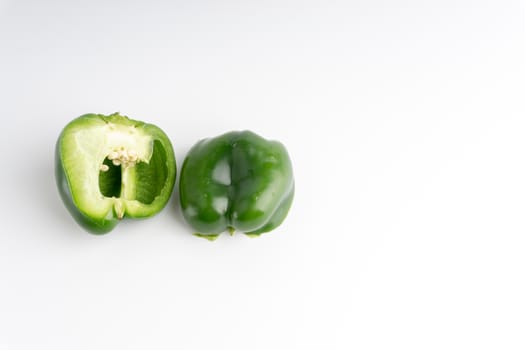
111	167
236	181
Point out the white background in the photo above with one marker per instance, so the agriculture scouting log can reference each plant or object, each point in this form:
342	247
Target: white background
405	124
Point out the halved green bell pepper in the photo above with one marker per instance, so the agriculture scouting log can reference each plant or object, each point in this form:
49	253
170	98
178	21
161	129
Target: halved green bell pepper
236	181
111	167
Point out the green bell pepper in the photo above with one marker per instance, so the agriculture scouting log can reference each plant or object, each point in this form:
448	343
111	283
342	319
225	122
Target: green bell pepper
111	167
236	181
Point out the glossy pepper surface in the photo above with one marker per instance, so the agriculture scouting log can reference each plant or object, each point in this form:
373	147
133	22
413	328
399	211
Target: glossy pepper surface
236	181
111	167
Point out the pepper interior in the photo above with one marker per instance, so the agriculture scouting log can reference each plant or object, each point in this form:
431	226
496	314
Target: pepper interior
149	177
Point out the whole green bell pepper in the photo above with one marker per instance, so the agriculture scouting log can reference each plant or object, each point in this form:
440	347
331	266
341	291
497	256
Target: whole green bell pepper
236	181
110	167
